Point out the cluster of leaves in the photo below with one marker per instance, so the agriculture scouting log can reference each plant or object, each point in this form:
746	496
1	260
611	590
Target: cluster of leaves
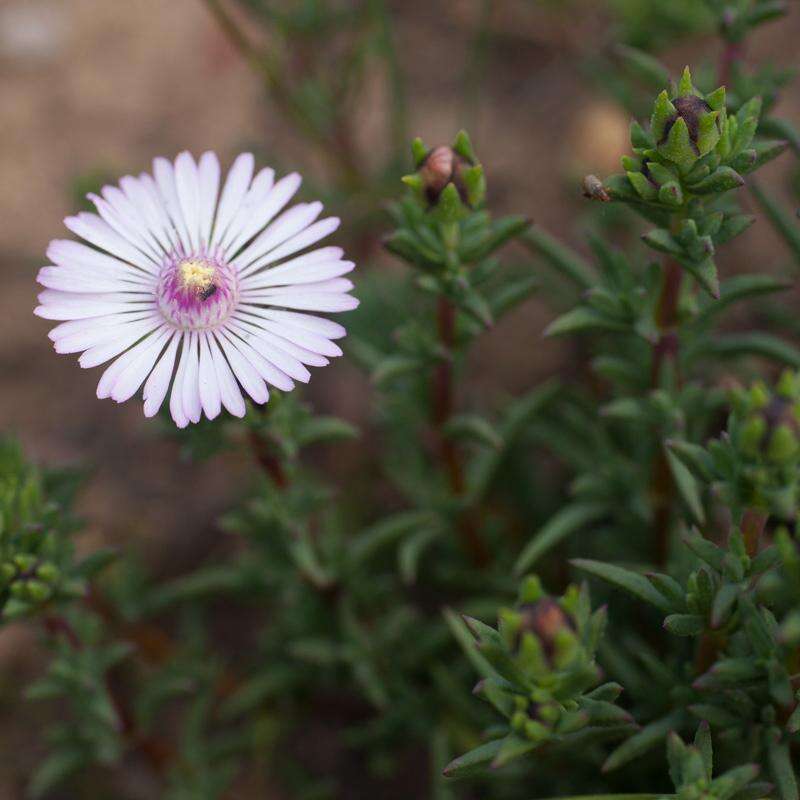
657	348
38	566
692	150
541	675
755	465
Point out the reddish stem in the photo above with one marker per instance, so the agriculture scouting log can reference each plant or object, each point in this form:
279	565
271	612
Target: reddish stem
754	520
665	348
158	752
268	461
667	318
732	54
443	407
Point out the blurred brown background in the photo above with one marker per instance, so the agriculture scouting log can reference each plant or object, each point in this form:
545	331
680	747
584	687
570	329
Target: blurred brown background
105	85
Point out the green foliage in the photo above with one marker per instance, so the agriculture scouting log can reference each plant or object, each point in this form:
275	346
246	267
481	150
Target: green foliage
38	567
541	675
344	605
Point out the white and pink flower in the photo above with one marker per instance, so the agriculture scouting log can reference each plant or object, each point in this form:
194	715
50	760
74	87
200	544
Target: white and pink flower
208	294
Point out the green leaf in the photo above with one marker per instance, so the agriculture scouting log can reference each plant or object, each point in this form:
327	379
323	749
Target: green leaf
687	486
511	293
253	693
782	129
742	287
466	641
724	601
646	67
565	522
786	225
663	112
393	367
732	226
755	344
565	260
670	588
766	151
474	304
702	741
679	148
693	456
764	11
53	770
500	231
325	429
646	739
793	723
662	240
706	550
463	146
516	417
780	763
96	562
513	747
705	273
418	151
472	761
716	715
684	624
632	582
386	532
721	180
475	428
411	551
582	319
202	583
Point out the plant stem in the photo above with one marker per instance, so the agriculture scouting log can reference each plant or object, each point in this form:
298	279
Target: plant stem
267	460
337	145
732	54
665	348
443	407
158	752
667	318
754	520
443	403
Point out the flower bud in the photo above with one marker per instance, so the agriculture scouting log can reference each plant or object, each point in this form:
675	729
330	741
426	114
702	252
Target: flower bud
690	109
687	126
547	621
441	166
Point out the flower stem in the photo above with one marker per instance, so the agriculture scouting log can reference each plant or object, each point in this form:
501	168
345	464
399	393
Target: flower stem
335	145
664	349
732	54
754	520
443	407
268	460
158	752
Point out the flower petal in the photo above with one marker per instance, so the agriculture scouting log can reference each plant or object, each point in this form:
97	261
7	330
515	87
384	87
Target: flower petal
155	389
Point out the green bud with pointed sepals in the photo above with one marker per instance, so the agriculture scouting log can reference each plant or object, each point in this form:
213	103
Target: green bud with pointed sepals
445	166
692	129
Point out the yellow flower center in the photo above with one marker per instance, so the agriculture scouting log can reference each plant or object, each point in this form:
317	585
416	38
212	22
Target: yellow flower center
196	274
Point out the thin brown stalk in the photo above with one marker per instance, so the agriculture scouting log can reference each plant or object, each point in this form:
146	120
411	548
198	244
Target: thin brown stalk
443	408
665	349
